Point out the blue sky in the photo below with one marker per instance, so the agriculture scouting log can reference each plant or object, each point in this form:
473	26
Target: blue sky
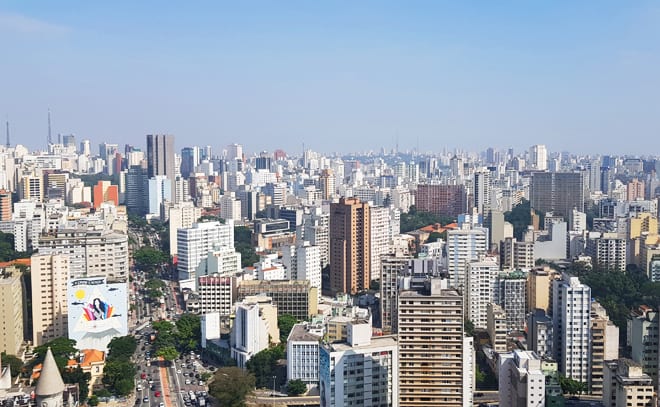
339	76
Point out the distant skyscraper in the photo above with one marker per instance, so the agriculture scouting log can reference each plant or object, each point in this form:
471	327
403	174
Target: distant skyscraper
538	157
160	156
482	188
443	200
350	248
557	192
189	160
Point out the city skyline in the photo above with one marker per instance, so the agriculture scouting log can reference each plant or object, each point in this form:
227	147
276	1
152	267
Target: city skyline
338	78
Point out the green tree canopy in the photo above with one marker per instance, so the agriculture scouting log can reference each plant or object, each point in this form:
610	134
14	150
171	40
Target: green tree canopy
15	364
118	376
169	353
149	259
263	365
243	245
520	217
122	348
572	387
231	385
415	219
296	387
188	332
285	323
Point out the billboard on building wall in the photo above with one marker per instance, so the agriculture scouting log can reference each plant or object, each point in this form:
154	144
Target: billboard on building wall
98	312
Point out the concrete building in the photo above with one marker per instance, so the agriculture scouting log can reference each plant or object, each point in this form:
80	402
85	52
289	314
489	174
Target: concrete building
49	278
223	260
5	205
482	190
302	353
350	246
557	192
496	326
381	234
538	157
11	310
539	333
181	216
160	189
104	191
643	340
230	207
194	244
635	190
538	289
626	385
216	294
92	253
443	200
480	288
463	246
160	157
255	327
510	294
521	380
604	346
297	298
436	359
363	371
607	251
515	255
303	262
316	230
571	312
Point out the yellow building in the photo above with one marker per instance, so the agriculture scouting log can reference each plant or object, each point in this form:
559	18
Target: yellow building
49	277
11	310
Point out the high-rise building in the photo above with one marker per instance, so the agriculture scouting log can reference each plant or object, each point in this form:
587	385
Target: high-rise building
5	205
480	287
302	353
381	234
521	380
539	333
255	327
643	339
49	276
626	385
350	246
137	187
436	362
104	191
463	246
216	294
189	161
327	183
604	346
557	192
635	190
538	157
194	244
361	371
482	190
11	310
538	289
160	156
181	216
571	313
510	295
303	262
496	327
607	250
392	269
297	298
443	200
316	230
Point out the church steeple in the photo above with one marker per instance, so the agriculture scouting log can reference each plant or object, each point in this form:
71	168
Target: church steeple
50	387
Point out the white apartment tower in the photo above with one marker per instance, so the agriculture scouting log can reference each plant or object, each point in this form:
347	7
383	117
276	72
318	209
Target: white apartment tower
463	246
538	157
571	311
194	244
521	380
303	262
302	354
181	216
482	190
381	233
481	283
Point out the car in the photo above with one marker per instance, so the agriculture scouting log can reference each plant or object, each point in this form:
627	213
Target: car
145	400
157	393
143	376
161	404
179	371
139	387
151	381
187	381
201	383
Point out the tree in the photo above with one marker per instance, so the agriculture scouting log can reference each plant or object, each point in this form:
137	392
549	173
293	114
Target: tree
520	217
63	349
15	364
149	259
263	365
122	348
188	332
93	401
243	245
169	353
296	387
415	219
468	326
572	387
435	236
231	385
76	375
118	376
285	323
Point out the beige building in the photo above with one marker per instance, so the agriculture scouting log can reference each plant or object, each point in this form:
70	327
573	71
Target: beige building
11	310
350	246
496	326
625	385
604	345
295	297
436	359
49	276
538	289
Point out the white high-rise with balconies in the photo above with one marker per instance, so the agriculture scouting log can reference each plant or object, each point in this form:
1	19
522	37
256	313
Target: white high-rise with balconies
463	246
480	286
196	242
303	262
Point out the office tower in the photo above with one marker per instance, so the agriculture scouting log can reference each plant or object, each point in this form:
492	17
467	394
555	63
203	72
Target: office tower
393	269
49	276
643	326
456	167
604	346
607	251
31	187
538	157
463	246
361	371
538	289
11	310
494	221
635	190
5	205
181	216
50	387
480	286
316	230
216	294
159	191
263	162
515	255
248	197
577	221
302	353
303	262
230	207
626	385
482	190
194	244
160	156
539	333
189	161
107	151
255	327
350	246
85	148
436	359
510	295
297	297
69	140
93	253
521	380
571	313
496	326
442	200
381	234
137	187
558	192
104	191
327	183
234	152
